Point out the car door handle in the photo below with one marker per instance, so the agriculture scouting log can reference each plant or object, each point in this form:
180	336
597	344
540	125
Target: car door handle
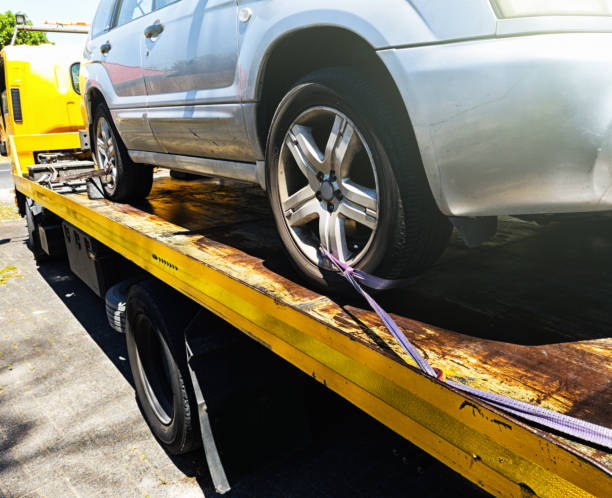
154	30
105	47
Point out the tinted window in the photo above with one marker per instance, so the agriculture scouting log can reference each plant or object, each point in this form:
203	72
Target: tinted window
74	76
159	4
133	9
102	17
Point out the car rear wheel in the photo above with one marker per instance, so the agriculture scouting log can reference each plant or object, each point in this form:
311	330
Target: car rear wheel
125	181
342	174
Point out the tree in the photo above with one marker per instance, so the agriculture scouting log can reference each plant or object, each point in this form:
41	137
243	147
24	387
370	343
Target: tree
7	26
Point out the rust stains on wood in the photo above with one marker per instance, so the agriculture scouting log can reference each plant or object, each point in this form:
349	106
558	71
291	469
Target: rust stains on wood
530	342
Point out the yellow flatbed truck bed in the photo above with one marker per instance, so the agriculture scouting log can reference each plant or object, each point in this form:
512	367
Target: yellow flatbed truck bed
538	312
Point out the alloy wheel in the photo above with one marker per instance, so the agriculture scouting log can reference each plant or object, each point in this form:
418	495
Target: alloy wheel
107	153
328	186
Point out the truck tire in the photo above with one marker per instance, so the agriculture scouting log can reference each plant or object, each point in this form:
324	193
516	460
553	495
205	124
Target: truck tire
343	171
156	320
115	301
32	221
128	181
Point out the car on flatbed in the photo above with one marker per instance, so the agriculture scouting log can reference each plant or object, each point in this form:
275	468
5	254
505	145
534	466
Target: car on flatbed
374	126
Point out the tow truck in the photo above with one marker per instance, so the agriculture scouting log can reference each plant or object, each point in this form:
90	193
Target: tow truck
512	300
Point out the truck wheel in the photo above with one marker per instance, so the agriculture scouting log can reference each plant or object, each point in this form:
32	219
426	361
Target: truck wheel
156	320
32	222
342	172
127	181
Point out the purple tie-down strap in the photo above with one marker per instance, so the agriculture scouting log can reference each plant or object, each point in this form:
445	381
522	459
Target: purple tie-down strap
565	424
370	281
351	274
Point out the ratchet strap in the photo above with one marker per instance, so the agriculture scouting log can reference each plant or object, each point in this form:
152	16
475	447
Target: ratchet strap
564	424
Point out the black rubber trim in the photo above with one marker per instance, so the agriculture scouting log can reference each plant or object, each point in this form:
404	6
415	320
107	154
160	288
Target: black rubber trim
16	101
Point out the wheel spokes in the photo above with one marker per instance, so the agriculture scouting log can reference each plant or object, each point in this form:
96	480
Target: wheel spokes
101	144
358	194
342	146
341	189
331	233
104	131
354	212
110	150
306	153
106	152
305	213
296	200
335	136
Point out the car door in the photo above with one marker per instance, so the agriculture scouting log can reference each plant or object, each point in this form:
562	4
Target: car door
120	54
189	59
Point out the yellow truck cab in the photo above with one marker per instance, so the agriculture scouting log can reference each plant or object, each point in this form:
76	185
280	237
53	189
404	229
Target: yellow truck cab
40	103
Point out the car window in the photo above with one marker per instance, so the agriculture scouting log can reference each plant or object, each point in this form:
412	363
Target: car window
160	4
102	18
133	9
74	76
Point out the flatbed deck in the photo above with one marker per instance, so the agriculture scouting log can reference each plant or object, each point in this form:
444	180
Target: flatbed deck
533	307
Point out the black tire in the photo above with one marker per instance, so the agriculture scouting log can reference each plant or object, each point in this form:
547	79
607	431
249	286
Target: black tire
32	222
156	320
116	303
412	232
133	181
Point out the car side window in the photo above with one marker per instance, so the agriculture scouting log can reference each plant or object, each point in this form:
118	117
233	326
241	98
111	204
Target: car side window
160	4
133	9
102	18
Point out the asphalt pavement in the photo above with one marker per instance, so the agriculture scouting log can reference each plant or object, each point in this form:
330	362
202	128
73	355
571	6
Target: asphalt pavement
5	174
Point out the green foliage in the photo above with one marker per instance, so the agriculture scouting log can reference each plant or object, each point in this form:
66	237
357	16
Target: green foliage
7	25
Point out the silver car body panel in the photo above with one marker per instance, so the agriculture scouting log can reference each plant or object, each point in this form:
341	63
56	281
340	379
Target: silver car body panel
513	125
246	172
382	24
558	24
215	130
511	115
119	74
194	59
134	128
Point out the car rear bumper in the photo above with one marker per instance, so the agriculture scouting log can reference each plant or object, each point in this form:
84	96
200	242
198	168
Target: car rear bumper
512	125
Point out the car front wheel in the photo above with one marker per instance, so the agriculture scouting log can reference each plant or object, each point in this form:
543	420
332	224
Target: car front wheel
342	174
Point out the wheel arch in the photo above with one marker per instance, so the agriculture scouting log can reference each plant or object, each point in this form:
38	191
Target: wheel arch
324	47
93	98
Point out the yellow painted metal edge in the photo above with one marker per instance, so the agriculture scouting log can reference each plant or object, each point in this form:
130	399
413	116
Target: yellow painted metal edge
22	147
49	141
492	450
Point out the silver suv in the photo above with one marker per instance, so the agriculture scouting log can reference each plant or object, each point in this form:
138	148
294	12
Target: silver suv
374	126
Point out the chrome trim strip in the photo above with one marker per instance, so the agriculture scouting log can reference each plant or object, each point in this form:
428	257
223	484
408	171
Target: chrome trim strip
244	172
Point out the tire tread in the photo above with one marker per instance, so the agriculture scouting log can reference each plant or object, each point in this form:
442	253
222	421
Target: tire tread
134	181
